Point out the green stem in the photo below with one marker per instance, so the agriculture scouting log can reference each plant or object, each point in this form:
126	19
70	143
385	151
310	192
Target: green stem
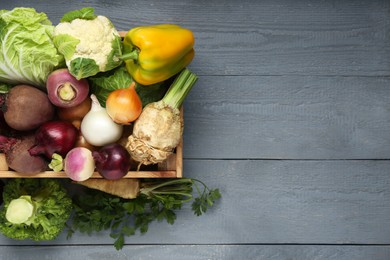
180	88
133	55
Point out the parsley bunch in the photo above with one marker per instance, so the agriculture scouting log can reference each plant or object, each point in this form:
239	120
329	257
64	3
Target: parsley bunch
157	201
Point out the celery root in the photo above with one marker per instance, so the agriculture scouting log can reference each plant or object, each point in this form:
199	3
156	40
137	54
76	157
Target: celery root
159	128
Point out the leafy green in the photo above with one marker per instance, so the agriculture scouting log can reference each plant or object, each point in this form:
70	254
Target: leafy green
157	201
52	208
66	44
86	13
27	52
81	67
4	88
104	83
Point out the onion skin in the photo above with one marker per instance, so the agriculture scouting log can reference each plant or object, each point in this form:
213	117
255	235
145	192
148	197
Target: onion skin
54	137
81	142
97	126
76	113
64	90
124	105
112	161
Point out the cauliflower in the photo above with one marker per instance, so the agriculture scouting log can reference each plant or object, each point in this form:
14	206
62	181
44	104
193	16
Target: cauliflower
89	43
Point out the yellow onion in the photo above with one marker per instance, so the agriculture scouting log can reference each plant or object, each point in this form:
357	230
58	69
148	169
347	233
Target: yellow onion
124	105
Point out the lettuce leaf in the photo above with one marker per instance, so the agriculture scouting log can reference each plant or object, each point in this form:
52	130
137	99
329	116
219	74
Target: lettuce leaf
27	52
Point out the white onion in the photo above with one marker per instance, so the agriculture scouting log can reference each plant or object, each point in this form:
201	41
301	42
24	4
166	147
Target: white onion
98	128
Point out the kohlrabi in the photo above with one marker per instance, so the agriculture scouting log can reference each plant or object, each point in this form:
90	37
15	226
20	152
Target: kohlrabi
35	209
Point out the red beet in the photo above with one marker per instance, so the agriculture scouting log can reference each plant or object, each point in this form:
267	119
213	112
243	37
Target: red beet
17	156
27	107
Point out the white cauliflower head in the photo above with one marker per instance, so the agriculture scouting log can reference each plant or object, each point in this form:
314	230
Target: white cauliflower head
89	46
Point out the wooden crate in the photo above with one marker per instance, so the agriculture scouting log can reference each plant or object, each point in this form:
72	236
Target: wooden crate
171	168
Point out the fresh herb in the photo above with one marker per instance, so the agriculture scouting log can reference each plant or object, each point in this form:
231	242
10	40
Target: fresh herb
157	201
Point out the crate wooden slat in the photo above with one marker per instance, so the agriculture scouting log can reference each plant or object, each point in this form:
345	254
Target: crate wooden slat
172	167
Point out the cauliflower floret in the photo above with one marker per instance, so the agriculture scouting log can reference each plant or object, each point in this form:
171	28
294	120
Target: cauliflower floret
95	36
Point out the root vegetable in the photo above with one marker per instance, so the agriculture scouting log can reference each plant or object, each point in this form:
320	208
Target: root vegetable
54	137
27	108
17	156
79	164
98	128
64	90
159	128
75	114
112	161
124	105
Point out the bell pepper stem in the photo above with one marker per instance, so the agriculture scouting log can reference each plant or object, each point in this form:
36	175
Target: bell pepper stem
180	88
133	55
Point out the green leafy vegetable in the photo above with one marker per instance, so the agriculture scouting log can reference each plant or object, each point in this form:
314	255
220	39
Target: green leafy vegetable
104	83
157	201
27	52
86	13
34	209
4	88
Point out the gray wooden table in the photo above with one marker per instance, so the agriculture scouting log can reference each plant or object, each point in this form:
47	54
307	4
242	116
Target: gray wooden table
290	119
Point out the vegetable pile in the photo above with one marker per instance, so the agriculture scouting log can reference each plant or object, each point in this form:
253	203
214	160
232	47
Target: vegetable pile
77	98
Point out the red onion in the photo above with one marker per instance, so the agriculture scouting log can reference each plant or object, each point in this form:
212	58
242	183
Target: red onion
64	90
54	137
112	161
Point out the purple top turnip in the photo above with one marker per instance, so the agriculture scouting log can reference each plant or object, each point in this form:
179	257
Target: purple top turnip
64	90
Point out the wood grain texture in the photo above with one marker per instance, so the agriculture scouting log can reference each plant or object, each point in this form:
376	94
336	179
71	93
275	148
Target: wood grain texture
262	37
199	252
290	117
277	202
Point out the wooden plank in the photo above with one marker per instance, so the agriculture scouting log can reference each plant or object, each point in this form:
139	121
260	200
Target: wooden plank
275	201
289	117
199	252
95	175
272	37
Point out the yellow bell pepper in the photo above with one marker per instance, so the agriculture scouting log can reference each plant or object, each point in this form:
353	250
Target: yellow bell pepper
155	53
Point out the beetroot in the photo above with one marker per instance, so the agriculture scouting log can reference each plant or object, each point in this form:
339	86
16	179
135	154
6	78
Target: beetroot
17	156
26	108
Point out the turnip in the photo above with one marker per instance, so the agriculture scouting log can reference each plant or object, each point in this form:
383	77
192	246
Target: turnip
27	107
64	90
159	128
17	156
79	164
